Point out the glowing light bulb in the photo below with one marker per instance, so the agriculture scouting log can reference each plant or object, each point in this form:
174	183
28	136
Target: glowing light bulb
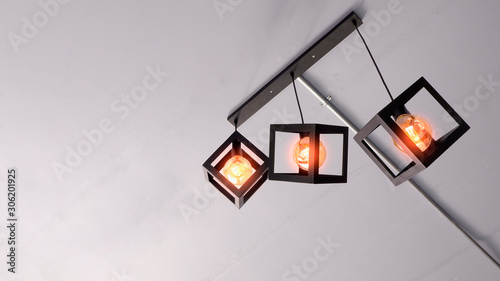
301	153
417	128
237	170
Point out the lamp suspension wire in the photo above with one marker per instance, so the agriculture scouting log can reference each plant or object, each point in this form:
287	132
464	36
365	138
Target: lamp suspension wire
371	56
297	96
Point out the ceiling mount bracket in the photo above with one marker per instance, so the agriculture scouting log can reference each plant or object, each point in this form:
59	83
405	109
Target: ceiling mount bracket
300	65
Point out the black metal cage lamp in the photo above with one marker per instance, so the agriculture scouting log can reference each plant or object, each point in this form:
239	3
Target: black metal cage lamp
237	169
422	157
309	152
309	171
388	118
412	137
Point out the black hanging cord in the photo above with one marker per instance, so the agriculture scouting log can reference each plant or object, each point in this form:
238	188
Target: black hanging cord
297	97
371	56
235	124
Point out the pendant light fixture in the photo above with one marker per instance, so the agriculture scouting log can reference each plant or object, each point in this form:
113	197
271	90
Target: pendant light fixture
411	133
237	169
309	153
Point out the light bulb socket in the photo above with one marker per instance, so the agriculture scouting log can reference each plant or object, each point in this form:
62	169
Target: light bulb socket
236	149
398	111
303	135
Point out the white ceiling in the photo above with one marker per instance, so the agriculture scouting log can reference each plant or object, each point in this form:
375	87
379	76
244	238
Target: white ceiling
137	207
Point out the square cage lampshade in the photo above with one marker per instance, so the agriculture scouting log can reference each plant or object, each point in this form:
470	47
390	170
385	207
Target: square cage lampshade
236	144
312	174
420	159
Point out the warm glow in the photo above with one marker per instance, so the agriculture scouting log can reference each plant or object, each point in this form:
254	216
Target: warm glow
237	170
301	153
415	127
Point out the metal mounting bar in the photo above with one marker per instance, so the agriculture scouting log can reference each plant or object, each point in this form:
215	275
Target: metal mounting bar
298	66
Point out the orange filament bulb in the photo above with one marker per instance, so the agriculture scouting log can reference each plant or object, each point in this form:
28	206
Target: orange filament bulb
237	170
301	153
417	129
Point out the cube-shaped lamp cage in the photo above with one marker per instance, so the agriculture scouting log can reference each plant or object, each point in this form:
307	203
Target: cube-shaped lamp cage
236	144
312	175
420	159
